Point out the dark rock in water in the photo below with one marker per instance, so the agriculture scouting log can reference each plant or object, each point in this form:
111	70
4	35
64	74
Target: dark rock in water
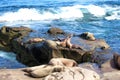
7	34
55	30
31	54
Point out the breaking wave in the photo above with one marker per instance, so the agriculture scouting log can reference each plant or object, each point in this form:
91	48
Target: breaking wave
68	12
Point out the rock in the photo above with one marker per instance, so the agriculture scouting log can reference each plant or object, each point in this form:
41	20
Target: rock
96	44
112	75
62	73
55	30
108	66
7	34
68	73
74	73
116	60
40	52
14	74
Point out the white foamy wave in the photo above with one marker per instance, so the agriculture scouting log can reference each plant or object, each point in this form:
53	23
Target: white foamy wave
96	10
26	14
114	14
69	12
93	9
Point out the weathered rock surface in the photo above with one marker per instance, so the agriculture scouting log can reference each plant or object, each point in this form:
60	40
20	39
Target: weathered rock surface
86	72
69	73
114	75
14	74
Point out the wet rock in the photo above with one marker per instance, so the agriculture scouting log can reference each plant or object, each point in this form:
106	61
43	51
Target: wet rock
55	30
7	34
40	52
92	45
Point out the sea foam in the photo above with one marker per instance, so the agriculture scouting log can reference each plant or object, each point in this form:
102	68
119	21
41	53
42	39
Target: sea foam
67	12
25	14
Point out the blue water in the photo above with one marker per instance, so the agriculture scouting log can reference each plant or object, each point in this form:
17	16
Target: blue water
101	17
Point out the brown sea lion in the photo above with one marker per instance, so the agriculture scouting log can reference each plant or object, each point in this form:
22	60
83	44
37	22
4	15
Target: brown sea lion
67	43
116	60
88	36
62	62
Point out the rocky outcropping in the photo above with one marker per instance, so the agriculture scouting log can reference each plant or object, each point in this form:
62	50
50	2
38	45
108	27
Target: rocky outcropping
36	53
74	73
86	71
8	34
51	72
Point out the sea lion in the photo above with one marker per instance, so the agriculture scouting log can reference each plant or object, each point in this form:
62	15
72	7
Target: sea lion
63	62
116	60
68	43
65	42
87	36
35	40
42	70
61	43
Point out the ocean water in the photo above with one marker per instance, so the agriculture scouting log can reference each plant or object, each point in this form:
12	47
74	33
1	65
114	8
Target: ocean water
101	17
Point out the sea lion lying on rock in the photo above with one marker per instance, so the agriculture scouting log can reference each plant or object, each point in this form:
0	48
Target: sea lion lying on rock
87	36
35	40
42	70
63	62
54	65
63	43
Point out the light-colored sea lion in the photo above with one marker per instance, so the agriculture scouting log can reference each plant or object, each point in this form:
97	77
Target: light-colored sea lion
63	62
88	36
43	70
30	69
35	40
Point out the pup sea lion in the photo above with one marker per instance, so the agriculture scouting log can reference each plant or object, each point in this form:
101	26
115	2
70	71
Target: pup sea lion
63	62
